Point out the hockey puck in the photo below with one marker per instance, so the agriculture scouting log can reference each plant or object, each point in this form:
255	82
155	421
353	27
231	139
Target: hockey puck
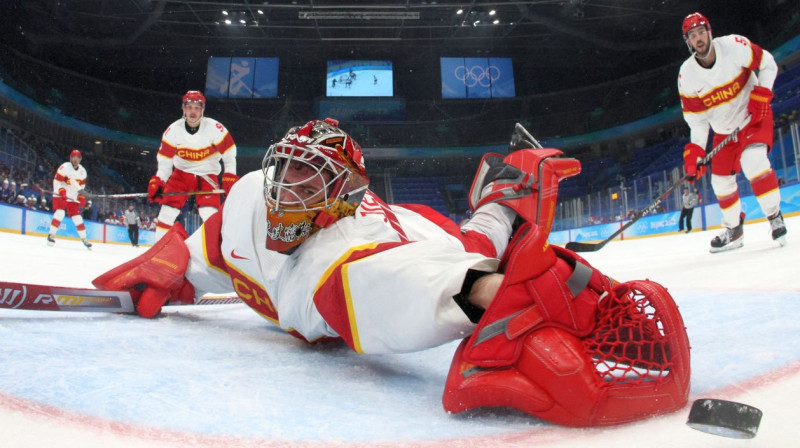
724	418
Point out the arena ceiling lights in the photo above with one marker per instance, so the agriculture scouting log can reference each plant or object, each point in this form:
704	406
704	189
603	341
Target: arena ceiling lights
358	15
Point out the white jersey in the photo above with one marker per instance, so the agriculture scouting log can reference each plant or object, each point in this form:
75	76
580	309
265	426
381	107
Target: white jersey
198	153
384	278
72	179
717	97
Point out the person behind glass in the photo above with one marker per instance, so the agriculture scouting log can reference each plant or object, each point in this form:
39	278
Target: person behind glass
131	219
87	211
689	200
69	181
9	194
189	160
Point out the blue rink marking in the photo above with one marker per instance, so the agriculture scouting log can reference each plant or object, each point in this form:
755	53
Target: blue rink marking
224	371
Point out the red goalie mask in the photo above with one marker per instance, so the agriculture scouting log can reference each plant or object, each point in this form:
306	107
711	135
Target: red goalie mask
312	177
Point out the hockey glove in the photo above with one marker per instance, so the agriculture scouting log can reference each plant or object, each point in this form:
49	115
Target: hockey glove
228	179
692	155
154	277
154	189
758	106
63	193
82	200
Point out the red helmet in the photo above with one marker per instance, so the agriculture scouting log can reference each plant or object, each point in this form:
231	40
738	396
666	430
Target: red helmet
331	161
695	19
75	152
194	96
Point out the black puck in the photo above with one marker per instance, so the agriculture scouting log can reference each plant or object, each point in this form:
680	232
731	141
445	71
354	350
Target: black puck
724	418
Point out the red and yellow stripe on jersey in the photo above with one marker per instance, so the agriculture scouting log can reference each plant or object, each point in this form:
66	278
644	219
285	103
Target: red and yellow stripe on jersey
332	296
198	153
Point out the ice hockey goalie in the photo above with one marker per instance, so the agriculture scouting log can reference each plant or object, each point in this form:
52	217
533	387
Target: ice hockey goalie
561	341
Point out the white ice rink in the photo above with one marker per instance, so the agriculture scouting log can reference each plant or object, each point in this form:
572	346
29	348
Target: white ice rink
221	376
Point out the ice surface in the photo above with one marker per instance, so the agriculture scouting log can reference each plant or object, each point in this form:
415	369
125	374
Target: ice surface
222	376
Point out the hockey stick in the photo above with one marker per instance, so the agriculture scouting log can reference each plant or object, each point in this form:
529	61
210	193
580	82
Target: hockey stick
578	246
522	139
56	298
144	195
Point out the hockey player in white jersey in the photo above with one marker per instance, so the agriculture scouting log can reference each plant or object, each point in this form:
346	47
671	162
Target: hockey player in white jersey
189	160
308	246
68	182
727	84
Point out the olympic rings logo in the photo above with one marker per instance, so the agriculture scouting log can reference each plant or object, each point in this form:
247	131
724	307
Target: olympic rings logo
477	74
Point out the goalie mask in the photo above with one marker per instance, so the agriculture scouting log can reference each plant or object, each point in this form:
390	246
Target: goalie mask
312	177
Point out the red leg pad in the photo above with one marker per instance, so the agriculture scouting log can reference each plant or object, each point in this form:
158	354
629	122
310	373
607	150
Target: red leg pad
634	365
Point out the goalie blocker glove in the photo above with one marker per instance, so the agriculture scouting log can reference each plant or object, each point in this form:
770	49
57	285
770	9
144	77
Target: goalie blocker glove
154	277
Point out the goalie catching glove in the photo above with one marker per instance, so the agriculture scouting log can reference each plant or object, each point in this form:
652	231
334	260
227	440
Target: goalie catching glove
560	340
156	276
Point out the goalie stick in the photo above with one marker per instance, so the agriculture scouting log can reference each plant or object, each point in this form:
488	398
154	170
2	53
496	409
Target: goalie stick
144	195
141	195
578	246
22	296
522	139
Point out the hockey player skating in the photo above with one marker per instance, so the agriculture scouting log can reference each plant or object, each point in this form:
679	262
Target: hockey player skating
188	160
727	84
308	246
68	182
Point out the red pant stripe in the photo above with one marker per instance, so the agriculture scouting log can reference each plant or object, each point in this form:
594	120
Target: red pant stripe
727	202
764	184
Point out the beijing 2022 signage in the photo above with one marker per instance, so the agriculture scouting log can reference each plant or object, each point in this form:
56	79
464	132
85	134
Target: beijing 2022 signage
242	77
477	78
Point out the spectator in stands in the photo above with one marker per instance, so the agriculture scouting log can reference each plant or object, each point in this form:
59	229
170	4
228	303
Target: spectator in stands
43	205
9	192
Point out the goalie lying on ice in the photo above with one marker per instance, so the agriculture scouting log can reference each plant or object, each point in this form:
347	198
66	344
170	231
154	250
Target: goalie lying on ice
306	245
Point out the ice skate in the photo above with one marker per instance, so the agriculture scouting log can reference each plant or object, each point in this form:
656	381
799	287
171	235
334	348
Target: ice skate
87	243
51	241
778	228
729	239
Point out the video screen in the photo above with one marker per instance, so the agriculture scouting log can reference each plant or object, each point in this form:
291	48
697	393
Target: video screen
477	78
359	78
242	77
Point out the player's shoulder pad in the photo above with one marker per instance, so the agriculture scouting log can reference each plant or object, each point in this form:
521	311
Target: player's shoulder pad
733	39
214	123
177	124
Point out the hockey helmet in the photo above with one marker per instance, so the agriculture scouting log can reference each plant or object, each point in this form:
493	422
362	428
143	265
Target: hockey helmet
194	96
695	19
313	176
75	153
